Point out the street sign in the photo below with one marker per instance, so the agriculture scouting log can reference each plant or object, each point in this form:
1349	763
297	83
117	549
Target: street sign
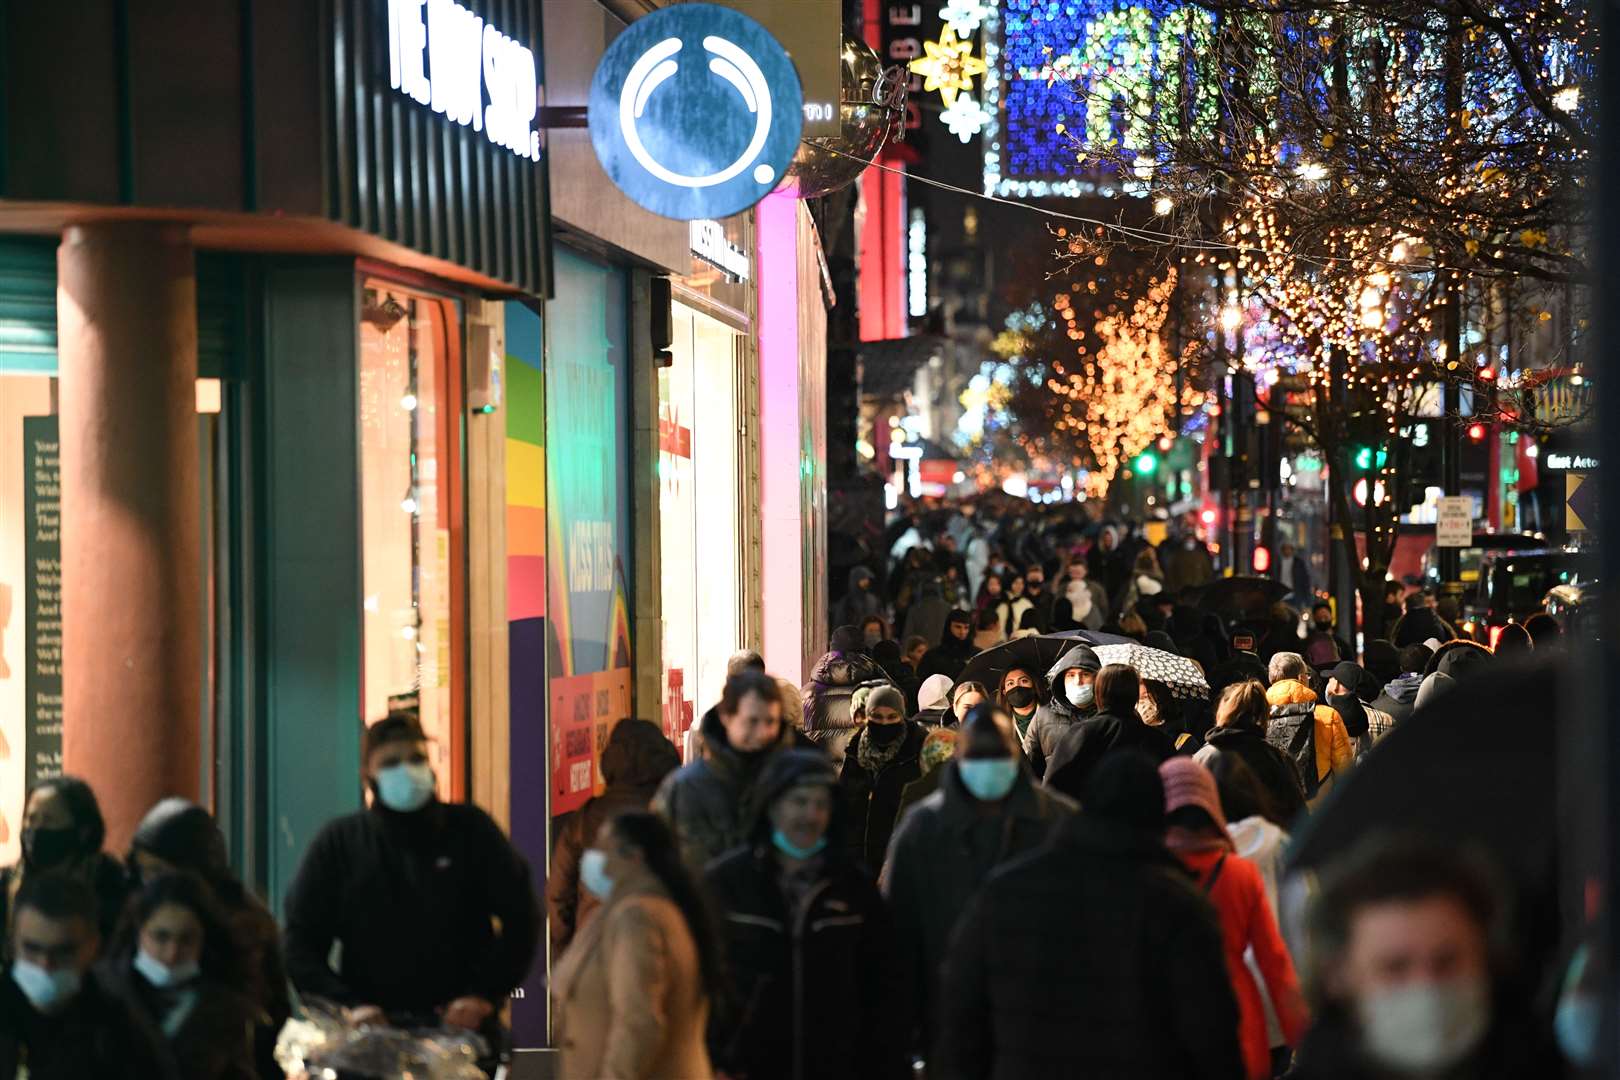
695	111
1580	502
1454	525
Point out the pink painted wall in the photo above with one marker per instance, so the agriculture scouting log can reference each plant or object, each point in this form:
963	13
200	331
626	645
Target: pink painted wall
779	392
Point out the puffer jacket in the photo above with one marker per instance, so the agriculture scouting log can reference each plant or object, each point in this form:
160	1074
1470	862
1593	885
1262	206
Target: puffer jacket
712	803
942	852
837	950
872	800
634	762
1056	718
829	720
1334	754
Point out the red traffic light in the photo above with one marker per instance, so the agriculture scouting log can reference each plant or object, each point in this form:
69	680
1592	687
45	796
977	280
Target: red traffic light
1207	516
1476	432
1262	560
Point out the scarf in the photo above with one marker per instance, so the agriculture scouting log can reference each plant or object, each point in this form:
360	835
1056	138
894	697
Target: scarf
873	755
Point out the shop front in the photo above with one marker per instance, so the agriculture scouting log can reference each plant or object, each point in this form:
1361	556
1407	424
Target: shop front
250	414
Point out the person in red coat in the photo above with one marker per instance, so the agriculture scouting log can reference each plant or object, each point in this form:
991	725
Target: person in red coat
1196	834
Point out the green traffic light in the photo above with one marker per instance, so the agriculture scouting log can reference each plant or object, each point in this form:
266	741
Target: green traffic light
1146	464
1365	458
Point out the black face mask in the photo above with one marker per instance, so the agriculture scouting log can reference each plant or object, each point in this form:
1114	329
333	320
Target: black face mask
45	848
1324	625
885	733
1021	697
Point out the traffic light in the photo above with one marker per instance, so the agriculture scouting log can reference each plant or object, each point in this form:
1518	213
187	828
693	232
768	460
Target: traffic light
1476	432
1262	559
1366	458
1146	463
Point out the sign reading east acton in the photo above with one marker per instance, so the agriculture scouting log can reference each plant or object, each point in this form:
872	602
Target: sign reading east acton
442	55
695	112
1454	523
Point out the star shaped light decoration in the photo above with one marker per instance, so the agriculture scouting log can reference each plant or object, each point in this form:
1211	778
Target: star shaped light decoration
964	16
949	66
965	117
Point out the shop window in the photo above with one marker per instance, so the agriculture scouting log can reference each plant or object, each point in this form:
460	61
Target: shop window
409	405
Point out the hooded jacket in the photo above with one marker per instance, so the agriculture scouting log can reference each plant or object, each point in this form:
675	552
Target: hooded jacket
634	762
185	835
1084	744
857	603
829	719
1092	957
1276	772
942	852
1057	717
1399	697
712	803
872	800
1334	754
951	655
836	949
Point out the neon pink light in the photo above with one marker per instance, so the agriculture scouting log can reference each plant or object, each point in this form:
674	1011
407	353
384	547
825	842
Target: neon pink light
777	228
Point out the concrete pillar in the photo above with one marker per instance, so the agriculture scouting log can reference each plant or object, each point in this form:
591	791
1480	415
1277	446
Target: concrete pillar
132	588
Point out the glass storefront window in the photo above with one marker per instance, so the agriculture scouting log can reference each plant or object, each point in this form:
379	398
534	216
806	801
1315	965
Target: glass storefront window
409	419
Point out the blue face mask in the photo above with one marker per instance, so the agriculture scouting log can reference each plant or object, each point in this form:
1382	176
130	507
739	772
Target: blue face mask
405	787
593	873
1081	697
794	851
988	779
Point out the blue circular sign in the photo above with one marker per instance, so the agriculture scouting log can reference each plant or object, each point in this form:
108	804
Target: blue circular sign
695	111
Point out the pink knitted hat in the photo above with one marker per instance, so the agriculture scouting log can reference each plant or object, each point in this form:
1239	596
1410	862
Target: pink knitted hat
1187	783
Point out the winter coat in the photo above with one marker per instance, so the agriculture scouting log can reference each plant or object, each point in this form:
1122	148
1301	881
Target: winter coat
185	835
950	656
712	803
1092	957
1275	770
627	997
872	802
828	718
943	850
213	1041
836	951
634	762
1082	747
1334	754
1513	1049
1262	843
98	1035
1238	892
1011	613
1082	605
376	878
857	603
1399	697
1056	718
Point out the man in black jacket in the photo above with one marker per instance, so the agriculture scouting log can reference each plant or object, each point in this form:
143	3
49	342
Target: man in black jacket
57	1022
413	889
986	811
882	759
1134	981
1116	726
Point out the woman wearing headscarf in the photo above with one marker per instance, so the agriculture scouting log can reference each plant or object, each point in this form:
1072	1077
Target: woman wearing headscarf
631	996
806	931
62	831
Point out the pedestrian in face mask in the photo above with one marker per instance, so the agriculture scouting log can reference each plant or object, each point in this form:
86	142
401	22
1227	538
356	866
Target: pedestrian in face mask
1073	699
1407	972
806	931
1117	725
986	811
57	1019
62	831
375	879
176	963
881	760
1020	696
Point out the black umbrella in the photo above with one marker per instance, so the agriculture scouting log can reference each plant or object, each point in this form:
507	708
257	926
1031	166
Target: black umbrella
1035	654
1477	766
1242	595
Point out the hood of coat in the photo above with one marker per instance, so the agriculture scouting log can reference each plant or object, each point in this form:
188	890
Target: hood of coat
846	669
719	753
182	833
1404	689
638	755
1256	839
934	693
790	769
857	574
1290	692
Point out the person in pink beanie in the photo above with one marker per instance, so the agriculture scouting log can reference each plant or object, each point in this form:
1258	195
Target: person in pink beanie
1195	832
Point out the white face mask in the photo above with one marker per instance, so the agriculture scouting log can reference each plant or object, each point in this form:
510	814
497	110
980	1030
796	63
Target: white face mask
47	991
405	787
1080	696
1148	710
1425	1027
160	974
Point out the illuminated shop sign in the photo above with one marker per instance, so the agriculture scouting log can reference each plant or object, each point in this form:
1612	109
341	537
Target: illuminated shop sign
1565	462
442	55
709	243
696	111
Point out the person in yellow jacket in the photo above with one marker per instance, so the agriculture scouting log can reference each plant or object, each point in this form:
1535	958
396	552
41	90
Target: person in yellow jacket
1290	693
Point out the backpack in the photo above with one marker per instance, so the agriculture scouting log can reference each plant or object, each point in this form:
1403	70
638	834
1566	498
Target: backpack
1321	650
1292	729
